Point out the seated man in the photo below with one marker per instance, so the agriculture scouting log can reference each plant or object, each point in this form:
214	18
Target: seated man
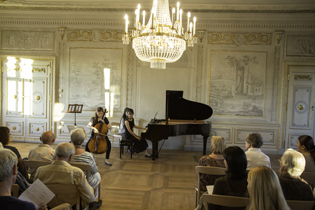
61	172
255	157
44	151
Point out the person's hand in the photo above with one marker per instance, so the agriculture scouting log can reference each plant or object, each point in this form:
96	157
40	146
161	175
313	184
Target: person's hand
109	126
43	207
139	138
95	130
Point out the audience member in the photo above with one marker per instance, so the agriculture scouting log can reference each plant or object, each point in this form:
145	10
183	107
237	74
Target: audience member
264	190
235	181
305	145
291	167
255	157
61	172
5	140
44	151
81	156
216	159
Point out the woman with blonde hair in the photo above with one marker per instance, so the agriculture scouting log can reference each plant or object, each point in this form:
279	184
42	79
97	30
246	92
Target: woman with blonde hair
215	159
264	190
292	165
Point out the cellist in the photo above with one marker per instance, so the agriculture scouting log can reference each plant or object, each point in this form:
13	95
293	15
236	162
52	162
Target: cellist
99	117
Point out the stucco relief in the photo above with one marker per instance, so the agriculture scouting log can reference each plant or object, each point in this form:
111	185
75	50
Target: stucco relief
240	38
237	83
94	36
87	77
303	46
27	40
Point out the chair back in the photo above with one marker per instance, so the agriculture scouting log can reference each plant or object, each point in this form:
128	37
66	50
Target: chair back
209	171
298	205
227	201
35	163
309	177
84	167
64	191
15	190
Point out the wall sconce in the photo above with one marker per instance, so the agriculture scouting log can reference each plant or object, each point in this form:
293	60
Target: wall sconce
279	35
62	32
201	33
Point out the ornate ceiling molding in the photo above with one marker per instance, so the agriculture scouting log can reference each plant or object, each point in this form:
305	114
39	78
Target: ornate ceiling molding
129	7
118	24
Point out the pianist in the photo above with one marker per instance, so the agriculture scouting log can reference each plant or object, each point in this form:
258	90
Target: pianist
140	145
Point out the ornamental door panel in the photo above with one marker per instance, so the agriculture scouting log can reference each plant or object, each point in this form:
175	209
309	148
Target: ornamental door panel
27	90
300	105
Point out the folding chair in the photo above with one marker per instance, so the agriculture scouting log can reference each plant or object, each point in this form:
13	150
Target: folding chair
298	205
227	201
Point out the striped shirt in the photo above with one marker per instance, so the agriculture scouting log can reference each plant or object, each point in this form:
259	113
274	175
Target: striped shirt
87	158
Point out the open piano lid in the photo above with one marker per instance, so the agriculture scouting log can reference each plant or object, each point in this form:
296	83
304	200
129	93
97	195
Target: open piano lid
178	108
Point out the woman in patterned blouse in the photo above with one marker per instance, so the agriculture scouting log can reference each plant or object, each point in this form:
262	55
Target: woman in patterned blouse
216	159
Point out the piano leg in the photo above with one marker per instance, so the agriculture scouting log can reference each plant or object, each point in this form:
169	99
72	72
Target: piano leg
155	146
205	138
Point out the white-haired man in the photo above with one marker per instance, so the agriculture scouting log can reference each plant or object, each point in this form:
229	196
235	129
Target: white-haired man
8	173
61	172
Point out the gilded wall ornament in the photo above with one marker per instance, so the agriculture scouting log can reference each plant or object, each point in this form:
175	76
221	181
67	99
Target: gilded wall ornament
239	38
94	36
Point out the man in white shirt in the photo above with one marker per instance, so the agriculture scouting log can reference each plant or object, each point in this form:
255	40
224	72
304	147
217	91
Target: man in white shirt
255	157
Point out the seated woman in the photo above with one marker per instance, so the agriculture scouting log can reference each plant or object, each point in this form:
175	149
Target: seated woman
235	181
140	145
305	145
264	190
216	159
291	167
122	123
255	157
81	156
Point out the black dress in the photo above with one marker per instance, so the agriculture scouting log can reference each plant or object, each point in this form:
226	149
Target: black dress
109	145
139	146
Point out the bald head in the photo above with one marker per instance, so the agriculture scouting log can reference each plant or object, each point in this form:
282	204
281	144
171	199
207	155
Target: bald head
48	138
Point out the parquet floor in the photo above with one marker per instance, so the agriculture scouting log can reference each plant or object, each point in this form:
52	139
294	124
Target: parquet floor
137	183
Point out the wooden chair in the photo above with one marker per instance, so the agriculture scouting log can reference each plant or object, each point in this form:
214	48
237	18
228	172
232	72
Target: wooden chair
309	177
206	170
298	205
223	200
34	164
87	168
15	190
65	190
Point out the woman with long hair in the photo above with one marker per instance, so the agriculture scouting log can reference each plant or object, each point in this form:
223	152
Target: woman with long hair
140	145
264	190
100	117
122	123
305	145
235	181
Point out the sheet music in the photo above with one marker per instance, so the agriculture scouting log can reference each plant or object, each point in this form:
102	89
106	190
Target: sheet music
210	189
37	193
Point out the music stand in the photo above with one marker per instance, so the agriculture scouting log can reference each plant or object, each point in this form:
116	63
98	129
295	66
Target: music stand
75	108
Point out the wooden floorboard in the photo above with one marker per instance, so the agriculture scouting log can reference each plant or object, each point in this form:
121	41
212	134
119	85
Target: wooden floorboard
137	183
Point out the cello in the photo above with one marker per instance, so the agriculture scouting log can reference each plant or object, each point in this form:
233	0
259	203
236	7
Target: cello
98	144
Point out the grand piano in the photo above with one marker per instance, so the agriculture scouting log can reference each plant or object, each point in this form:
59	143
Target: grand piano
182	117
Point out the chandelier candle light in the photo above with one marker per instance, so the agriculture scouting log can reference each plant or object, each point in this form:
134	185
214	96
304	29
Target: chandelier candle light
163	39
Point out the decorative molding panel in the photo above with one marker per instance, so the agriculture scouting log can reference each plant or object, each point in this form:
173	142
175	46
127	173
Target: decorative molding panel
36	129
301	77
300	46
275	83
94	36
269	136
16	128
199	73
27	40
226	133
130	76
240	38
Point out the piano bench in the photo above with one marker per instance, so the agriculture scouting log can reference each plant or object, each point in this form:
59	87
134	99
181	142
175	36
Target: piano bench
126	142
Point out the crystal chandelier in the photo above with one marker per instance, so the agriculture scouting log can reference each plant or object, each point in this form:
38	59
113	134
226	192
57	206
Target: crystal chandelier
162	40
